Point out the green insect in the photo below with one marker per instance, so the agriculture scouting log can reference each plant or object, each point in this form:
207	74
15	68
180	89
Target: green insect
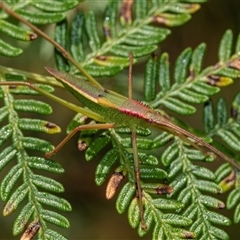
112	110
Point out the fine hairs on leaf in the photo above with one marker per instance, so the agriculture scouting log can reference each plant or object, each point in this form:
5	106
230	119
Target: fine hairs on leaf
163	180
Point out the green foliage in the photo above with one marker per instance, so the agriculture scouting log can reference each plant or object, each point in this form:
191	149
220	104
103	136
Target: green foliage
21	182
190	209
128	35
36	12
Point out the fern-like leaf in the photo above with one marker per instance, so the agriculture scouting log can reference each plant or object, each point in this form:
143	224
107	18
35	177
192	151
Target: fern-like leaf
43	12
29	183
191	84
123	34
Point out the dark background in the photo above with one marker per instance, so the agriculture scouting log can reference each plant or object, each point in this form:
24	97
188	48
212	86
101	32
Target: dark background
94	217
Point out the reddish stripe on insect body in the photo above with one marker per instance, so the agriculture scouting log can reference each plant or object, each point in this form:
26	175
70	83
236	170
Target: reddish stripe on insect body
134	108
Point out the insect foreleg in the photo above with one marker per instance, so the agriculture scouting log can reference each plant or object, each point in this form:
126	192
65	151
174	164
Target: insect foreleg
74	131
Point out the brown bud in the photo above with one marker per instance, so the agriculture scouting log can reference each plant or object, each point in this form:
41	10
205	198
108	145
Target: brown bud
50	125
82	145
31	231
164	189
126	12
113	184
235	64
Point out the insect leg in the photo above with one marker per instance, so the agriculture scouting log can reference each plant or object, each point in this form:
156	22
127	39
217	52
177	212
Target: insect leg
135	150
74	131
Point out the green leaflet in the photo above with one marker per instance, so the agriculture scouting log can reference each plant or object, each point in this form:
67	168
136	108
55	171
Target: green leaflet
178	106
221	112
149	172
229	138
192	97
175	168
5	133
55	6
55	218
111	61
164	72
197	155
47	183
183	8
38	125
22	90
163	203
44	164
237	214
101	71
50	234
223	171
148	218
171	20
237	48
15	32
60	35
202	87
197	58
214	203
137	51
178	184
185	196
91	30
140	131
141	9
8	50
140	39
162	139
41	18
150	79
7	155
3	113
31	105
77	37
77	120
233	198
23	217
134	213
229	72
169	154
9	181
124	197
182	63
15	199
219	233
105	166
142	143
203	172
96	146
36	144
208	116
225	47
148	159
208	186
174	219
191	211
110	20
54	201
